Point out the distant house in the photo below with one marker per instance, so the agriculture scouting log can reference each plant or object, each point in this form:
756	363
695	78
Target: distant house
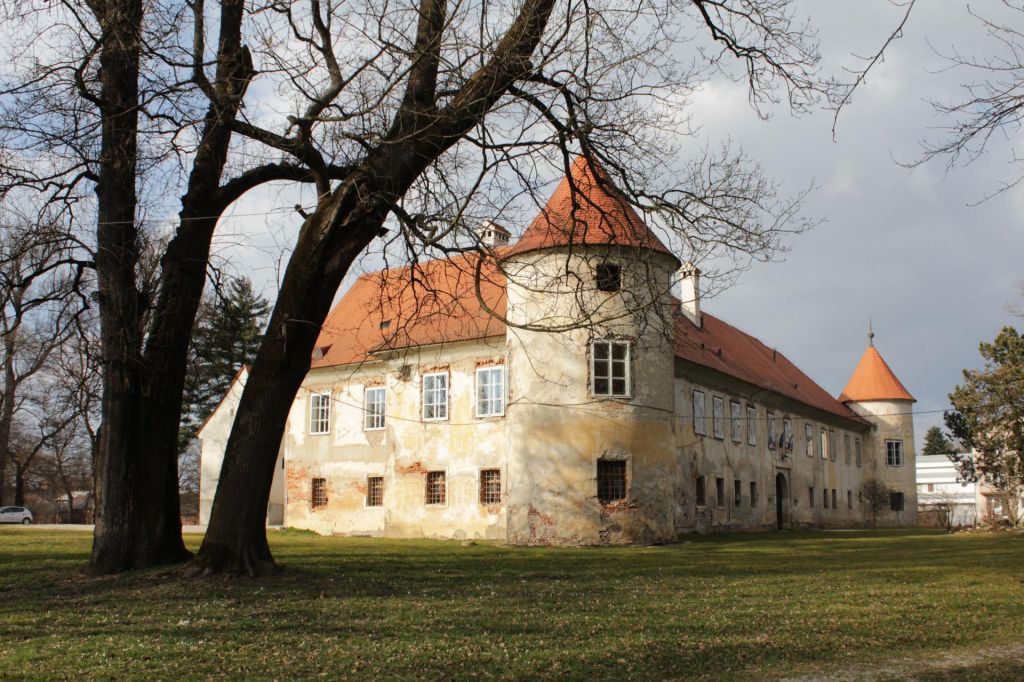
452	399
82	506
937	483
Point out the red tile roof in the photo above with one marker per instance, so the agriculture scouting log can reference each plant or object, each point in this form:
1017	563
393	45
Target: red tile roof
719	346
587	209
429	303
873	380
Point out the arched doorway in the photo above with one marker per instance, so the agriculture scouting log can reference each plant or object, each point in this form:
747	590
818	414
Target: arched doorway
781	501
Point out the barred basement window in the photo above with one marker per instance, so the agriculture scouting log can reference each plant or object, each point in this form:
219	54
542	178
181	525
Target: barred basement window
375	491
720	491
737	493
490	486
701	493
608	276
609	369
896	502
736	425
319	495
611	480
753	493
436	487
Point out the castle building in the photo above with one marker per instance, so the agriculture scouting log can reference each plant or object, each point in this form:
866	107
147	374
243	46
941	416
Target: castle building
561	393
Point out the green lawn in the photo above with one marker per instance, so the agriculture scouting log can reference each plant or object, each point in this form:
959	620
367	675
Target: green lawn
730	606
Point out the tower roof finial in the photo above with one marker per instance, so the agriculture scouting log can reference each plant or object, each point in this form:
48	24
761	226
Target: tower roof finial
871	334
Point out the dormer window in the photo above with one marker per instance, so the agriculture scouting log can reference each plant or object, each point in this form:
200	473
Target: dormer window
608	276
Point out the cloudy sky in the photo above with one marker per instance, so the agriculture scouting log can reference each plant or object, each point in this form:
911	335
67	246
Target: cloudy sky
908	249
912	250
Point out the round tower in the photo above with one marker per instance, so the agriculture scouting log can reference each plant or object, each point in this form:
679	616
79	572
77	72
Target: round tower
874	393
591	371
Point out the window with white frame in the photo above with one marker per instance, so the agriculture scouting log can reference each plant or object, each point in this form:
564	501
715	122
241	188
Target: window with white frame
824	443
718	417
787	433
771	430
751	425
700	425
609	369
809	436
894	453
435	396
490	391
735	422
320	413
373	408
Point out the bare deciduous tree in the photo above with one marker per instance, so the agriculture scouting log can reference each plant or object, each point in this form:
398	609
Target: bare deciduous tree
874	498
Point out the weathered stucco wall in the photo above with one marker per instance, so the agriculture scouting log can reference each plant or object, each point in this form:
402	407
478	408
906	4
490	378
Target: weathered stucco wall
403	452
893	421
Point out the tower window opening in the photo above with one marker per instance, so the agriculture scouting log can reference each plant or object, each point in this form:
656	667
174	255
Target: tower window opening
608	276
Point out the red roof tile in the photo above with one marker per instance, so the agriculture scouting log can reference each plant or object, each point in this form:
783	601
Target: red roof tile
873	380
429	303
719	346
587	209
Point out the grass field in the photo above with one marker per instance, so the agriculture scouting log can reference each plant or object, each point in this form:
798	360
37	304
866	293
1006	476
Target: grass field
730	607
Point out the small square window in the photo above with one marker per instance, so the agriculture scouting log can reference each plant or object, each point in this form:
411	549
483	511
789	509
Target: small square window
375	491
720	491
490	486
700	425
318	498
718	417
320	413
751	425
609	369
373	408
608	276
611	480
436	487
896	502
701	493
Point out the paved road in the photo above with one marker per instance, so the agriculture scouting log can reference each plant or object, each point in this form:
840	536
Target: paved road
84	527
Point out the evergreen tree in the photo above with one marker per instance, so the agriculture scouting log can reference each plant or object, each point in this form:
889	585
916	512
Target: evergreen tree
936	443
227	335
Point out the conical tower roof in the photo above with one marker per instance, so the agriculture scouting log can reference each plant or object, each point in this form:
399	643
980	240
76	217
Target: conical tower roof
873	379
587	209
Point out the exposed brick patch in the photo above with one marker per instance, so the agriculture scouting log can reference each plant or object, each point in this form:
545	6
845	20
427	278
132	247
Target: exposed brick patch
414	468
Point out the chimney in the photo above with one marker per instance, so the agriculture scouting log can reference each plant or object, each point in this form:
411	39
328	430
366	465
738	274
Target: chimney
492	234
689	292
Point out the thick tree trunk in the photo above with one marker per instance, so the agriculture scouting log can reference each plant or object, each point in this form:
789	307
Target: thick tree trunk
7	410
236	540
19	484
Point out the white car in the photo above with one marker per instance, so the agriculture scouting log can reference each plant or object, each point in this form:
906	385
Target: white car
15	515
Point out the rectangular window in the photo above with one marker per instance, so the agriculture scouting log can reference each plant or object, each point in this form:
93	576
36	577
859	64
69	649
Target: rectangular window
809	436
847	449
611	480
490	486
718	417
609	369
373	408
824	498
435	396
753	493
436	487
787	433
490	391
856	450
771	431
824	443
931	487
318	498
849	499
896	502
700	493
737	493
320	413
720	491
832	445
834	498
374	491
894	453
810	495
751	425
608	276
735	422
700	426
